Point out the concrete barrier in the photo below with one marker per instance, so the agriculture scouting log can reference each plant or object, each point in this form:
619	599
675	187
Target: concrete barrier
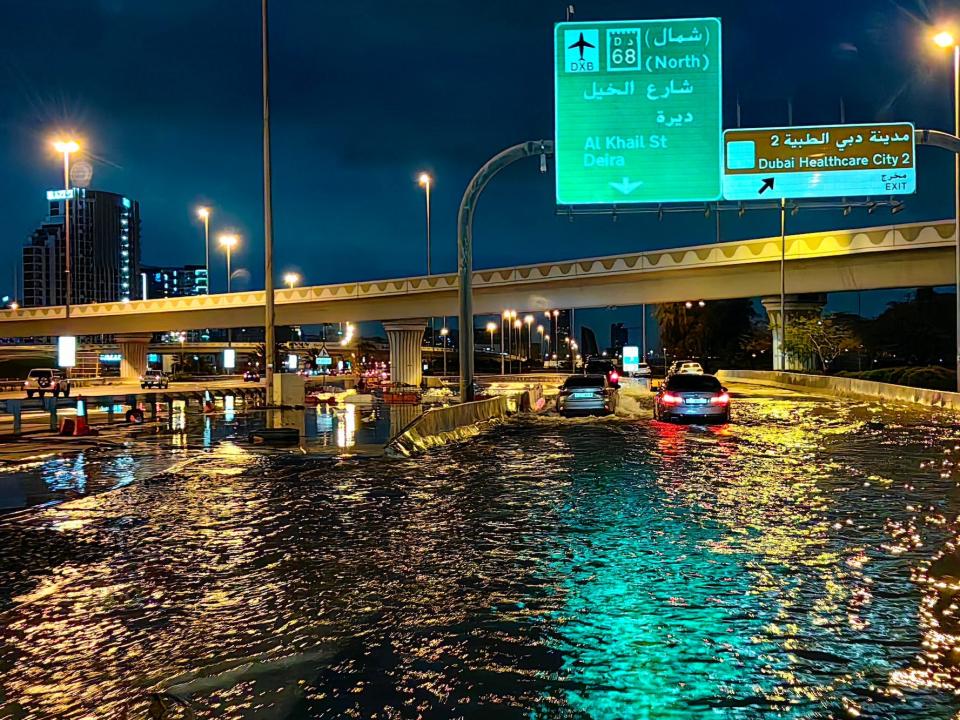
439	426
845	387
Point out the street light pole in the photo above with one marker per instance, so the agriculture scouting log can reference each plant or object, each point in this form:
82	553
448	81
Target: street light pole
204	214
468	206
443	338
228	241
66	221
956	192
66	147
269	337
783	262
503	356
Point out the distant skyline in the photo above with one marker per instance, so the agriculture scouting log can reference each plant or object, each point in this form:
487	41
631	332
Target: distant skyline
166	97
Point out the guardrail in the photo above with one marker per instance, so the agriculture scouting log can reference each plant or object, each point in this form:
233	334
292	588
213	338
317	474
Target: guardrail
149	399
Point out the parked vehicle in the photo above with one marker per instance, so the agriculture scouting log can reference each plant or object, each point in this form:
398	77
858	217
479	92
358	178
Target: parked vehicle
251	376
693	397
154	379
643	371
685	367
587	394
41	381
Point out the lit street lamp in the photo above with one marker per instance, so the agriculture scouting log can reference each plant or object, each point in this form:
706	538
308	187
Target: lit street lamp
518	326
492	328
204	214
443	338
505	316
528	321
540	330
947	39
66	147
228	242
425	182
291	279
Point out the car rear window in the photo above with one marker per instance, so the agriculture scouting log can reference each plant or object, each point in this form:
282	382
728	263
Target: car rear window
584	381
599	366
693	383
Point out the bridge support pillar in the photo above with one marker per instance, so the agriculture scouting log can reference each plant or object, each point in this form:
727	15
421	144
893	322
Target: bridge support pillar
406	349
797	307
133	355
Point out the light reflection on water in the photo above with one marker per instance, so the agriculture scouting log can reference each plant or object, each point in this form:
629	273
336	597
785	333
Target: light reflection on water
800	563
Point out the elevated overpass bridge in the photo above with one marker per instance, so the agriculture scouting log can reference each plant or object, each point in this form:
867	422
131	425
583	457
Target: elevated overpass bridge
888	256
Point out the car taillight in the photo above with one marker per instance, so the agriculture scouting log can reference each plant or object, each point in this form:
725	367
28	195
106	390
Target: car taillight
671	399
614	376
721	399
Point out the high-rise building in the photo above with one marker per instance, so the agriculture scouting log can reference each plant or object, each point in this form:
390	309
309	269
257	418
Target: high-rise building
619	337
105	251
165	282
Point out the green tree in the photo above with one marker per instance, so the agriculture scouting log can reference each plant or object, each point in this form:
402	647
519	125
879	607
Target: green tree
826	337
711	331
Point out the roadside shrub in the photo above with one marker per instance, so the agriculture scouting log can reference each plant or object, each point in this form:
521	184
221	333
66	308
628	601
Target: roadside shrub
931	377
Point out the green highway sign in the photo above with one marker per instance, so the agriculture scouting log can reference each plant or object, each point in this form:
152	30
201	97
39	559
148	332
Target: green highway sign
820	161
638	111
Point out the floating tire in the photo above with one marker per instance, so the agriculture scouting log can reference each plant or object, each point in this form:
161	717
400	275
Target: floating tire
135	416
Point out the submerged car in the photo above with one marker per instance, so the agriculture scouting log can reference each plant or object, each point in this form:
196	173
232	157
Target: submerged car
587	395
692	397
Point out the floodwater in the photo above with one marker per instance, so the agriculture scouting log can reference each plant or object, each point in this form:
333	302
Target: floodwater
799	563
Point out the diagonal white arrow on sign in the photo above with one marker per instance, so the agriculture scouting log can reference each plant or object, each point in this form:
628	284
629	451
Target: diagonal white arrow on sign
625	186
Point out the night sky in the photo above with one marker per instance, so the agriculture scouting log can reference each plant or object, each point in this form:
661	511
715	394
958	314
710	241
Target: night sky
166	96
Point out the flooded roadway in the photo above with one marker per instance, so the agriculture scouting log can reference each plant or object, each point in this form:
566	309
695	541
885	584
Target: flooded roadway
798	563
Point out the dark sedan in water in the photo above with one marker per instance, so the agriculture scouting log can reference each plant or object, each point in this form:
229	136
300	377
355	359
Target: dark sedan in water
692	397
587	394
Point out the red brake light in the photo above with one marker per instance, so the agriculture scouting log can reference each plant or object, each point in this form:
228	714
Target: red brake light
671	399
614	376
721	399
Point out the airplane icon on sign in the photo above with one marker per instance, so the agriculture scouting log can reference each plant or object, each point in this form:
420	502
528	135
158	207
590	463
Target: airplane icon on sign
580	45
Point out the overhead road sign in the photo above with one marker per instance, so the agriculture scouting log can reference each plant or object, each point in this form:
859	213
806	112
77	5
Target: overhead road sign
638	111
819	161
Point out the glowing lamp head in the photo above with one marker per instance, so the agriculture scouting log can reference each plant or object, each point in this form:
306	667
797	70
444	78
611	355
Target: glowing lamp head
944	39
517	324
528	319
446	331
203	213
424	179
66	146
229	241
291	278
491	327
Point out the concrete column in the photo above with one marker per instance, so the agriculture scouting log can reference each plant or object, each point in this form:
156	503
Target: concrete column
797	306
406	350
133	355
